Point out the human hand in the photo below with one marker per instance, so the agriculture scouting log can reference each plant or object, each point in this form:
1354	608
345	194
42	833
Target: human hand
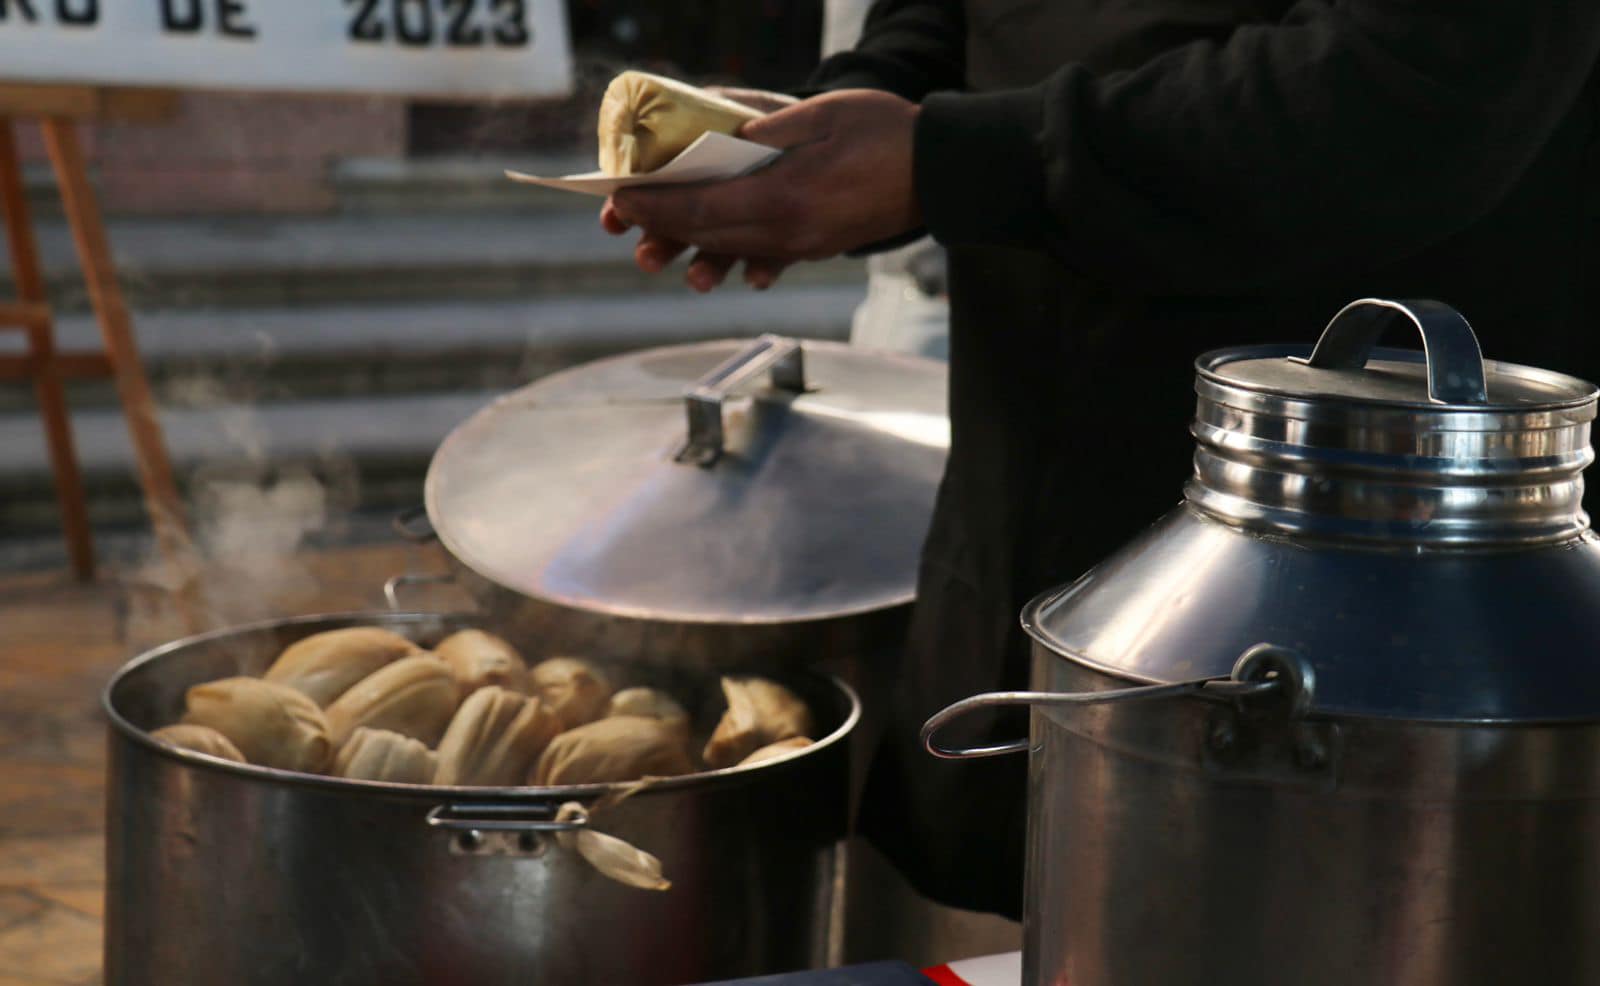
706	271
653	253
844	181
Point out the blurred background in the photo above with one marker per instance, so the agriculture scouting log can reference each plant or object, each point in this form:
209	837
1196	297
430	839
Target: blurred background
322	286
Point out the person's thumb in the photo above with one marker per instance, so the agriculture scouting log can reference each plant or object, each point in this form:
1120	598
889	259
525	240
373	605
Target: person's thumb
797	124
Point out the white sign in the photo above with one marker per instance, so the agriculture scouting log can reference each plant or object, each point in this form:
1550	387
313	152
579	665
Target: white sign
482	48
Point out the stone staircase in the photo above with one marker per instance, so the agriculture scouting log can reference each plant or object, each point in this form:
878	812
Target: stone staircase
346	346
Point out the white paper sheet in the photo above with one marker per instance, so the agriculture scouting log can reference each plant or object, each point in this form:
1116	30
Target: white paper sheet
988	970
711	158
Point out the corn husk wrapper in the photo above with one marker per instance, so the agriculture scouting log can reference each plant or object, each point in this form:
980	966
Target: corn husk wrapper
572	688
495	739
647	120
774	750
383	755
649	703
760	712
610	855
272	725
325	665
414	696
621	748
479	659
200	739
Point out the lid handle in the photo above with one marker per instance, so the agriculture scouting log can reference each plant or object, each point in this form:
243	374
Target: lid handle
704	400
1455	363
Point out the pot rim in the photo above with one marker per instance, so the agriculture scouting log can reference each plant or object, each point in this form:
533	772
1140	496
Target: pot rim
433	792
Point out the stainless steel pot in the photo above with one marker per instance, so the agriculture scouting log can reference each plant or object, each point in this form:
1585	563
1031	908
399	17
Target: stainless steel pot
662	506
225	873
1336	719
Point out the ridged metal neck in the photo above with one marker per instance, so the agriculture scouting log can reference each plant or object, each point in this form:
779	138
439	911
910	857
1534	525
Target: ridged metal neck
1384	471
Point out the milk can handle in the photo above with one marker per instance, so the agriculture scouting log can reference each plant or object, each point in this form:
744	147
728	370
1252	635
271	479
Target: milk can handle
1262	670
703	402
1455	363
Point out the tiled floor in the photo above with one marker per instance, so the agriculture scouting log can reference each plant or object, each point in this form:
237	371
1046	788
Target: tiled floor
59	642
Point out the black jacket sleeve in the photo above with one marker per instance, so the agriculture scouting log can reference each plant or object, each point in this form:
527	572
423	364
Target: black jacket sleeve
1351	132
907	47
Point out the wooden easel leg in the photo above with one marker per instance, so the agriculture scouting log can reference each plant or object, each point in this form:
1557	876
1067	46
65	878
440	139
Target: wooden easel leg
46	374
94	254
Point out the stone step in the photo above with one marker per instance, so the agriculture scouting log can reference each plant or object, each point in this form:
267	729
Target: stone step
435	346
264	260
343	444
367	185
372	448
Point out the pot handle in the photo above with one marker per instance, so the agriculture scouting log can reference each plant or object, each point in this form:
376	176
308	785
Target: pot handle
1262	670
502	818
393	585
413	525
703	402
1454	361
609	855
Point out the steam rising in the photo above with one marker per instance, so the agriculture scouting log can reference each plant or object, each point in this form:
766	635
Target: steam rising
251	533
251	519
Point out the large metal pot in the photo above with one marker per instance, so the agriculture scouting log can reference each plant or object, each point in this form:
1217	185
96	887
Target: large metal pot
660	506
225	873
1336	719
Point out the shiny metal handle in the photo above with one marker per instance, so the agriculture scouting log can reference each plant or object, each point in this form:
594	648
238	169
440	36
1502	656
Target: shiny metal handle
413	524
1262	670
704	401
1455	363
392	586
502	818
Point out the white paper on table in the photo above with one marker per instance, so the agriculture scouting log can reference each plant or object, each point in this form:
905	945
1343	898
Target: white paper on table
1004	969
712	157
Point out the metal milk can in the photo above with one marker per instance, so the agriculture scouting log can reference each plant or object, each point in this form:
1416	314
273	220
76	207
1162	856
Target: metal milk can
1335	719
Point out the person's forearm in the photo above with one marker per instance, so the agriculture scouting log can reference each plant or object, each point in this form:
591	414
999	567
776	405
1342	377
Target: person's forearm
1347	133
907	47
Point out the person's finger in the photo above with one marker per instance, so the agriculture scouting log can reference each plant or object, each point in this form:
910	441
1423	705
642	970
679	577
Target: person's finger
780	241
683	212
611	222
750	240
653	253
762	273
707	270
803	123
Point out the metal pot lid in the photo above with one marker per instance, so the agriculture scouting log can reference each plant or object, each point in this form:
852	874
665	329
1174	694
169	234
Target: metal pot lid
663	485
1352	442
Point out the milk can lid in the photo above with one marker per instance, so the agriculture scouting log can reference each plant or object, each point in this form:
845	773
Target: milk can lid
1450	372
1438	446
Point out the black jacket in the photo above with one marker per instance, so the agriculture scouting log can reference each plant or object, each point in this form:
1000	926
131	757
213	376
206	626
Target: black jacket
1123	184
